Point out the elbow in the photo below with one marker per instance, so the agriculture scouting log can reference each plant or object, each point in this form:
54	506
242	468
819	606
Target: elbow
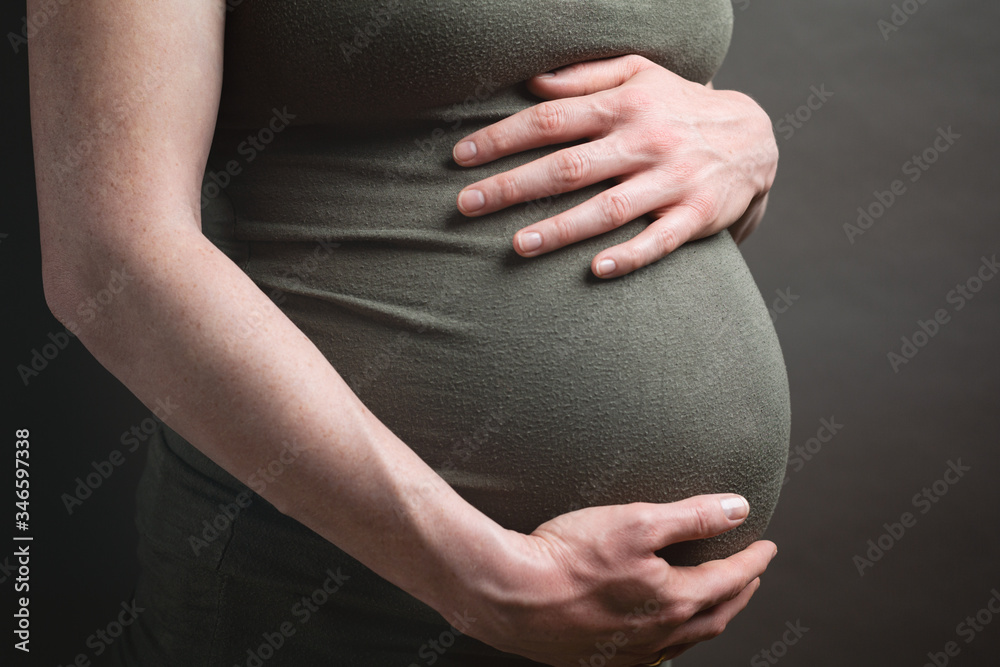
59	288
71	292
81	279
79	298
58	284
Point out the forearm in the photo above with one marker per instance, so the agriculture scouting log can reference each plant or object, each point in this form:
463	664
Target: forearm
191	326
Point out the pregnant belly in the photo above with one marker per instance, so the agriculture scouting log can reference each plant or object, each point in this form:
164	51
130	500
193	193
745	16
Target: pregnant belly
534	388
531	386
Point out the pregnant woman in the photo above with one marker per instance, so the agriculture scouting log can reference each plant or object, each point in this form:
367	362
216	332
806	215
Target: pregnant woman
371	271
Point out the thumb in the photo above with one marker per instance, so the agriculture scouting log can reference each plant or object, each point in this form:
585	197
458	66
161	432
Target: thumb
587	77
700	517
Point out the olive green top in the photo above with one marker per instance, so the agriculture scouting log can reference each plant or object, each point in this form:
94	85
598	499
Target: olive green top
532	387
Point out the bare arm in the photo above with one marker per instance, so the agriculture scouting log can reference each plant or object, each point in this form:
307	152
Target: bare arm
123	102
147	78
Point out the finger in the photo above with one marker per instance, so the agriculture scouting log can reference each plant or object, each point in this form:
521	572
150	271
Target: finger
587	77
719	581
676	227
601	213
712	622
698	517
565	170
544	124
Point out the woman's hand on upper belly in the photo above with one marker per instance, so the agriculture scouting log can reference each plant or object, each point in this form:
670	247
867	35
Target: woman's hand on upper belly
591	578
697	160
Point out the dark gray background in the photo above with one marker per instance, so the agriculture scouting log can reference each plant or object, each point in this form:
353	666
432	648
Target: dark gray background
851	305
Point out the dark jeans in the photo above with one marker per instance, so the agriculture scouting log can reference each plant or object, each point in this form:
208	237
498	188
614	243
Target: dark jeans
228	581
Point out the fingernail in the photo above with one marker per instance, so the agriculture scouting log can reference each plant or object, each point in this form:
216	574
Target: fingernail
530	241
472	200
736	507
465	151
606	266
545	75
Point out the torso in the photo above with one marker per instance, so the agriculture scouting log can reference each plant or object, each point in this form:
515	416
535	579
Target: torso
531	386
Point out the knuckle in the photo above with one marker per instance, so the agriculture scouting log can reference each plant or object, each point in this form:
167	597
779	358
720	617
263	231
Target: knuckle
666	241
736	589
660	141
493	138
507	189
637	98
632	255
635	62
562	226
716	627
679	613
549	117
644	518
702	519
571	167
617	207
628	104
755	110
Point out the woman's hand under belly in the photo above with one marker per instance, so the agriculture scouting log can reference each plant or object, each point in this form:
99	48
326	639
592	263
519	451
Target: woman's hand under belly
570	588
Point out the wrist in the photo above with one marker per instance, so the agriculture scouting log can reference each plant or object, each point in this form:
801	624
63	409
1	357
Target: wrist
488	580
450	555
477	568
